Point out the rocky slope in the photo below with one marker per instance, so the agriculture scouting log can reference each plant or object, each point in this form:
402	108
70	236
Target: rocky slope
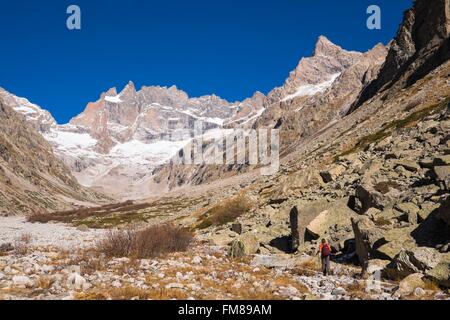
31	177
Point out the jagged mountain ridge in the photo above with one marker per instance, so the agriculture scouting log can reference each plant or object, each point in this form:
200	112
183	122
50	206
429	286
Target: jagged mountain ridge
124	136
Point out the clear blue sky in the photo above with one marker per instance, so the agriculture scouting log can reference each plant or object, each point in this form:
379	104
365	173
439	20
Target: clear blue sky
231	48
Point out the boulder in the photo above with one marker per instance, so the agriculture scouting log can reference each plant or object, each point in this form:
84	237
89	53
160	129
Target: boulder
376	265
333	173
6	247
83	228
425	210
367	239
372	213
222	238
440	274
237	227
442	174
22	281
408	165
407	207
274	261
416	260
245	244
395	240
300	216
442	160
337	217
378	195
77	282
410	212
388	215
251	242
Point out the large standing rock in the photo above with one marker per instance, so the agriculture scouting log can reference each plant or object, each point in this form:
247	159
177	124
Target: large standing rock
417	260
320	219
367	238
300	216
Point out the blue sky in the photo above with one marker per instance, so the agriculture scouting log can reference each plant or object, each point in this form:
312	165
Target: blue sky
230	48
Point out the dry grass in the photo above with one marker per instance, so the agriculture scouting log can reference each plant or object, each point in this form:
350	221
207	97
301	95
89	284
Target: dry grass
147	243
117	243
22	244
358	290
225	212
307	267
82	213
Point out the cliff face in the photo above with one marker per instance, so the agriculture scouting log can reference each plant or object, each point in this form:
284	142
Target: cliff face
421	45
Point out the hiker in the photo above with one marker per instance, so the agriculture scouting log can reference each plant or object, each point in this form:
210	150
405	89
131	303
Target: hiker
325	253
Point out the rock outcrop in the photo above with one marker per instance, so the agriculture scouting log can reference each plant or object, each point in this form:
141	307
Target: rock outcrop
422	44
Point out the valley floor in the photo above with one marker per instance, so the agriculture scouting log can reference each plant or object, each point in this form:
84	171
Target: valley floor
45	265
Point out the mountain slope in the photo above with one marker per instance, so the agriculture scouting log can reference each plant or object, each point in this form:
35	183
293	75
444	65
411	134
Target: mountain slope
31	177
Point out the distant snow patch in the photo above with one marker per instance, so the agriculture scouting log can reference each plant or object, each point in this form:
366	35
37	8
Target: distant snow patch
115	99
25	110
312	89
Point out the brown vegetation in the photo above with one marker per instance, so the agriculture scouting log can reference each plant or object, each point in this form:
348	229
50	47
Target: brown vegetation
147	243
22	244
225	212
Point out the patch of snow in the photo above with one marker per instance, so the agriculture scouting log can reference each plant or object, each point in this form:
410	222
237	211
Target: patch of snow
312	89
115	99
25	110
71	140
138	152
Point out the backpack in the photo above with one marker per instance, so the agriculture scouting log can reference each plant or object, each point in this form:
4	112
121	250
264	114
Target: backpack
326	250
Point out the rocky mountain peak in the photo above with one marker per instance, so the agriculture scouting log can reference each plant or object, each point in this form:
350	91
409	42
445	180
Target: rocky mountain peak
324	47
422	43
129	89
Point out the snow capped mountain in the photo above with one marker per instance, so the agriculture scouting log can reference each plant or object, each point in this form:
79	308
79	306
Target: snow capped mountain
124	136
317	73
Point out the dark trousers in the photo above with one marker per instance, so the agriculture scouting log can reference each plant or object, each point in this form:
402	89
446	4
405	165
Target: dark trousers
326	265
